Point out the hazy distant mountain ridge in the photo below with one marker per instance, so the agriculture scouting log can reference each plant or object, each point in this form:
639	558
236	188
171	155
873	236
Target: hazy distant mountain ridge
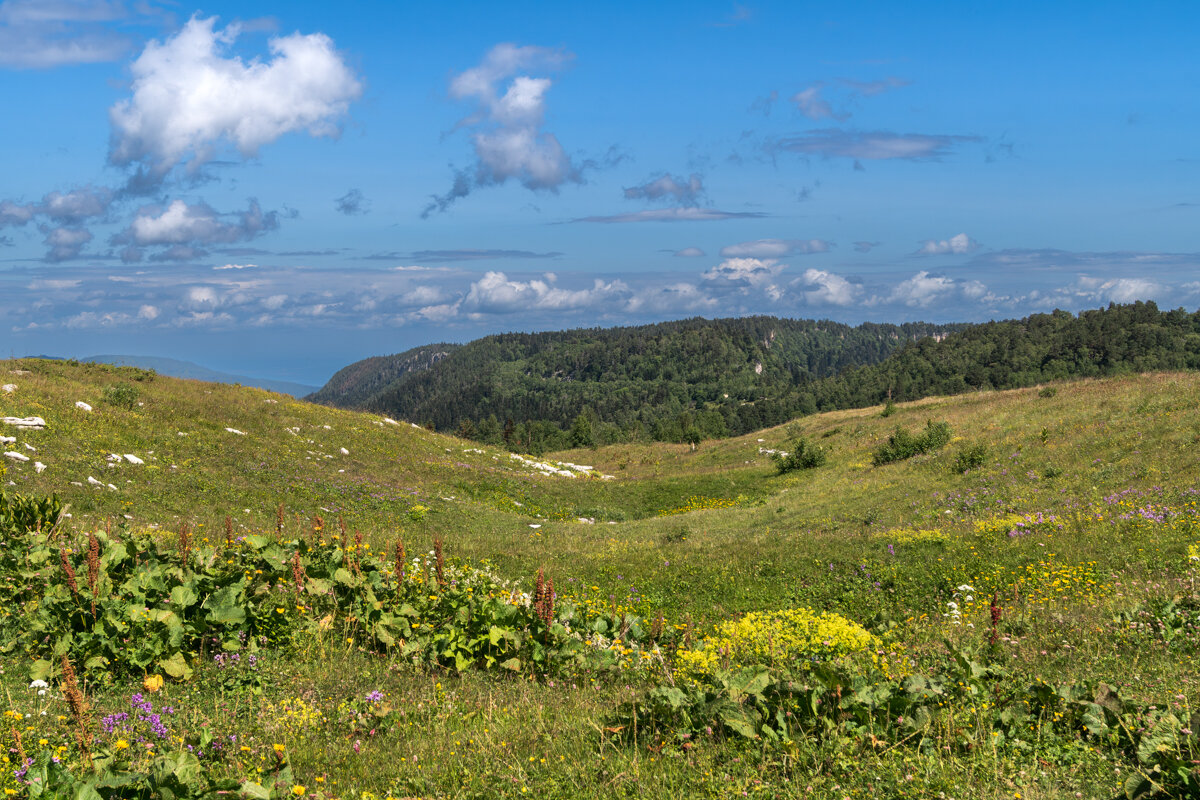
175	368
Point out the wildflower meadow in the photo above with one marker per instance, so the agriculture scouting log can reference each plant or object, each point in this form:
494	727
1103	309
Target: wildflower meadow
215	592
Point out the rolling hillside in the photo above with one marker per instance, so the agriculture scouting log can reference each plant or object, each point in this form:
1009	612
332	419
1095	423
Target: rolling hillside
1030	586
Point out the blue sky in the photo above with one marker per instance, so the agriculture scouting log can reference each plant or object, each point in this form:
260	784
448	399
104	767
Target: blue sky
285	193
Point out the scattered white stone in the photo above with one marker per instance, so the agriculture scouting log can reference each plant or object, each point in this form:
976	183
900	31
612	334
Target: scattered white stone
326	427
762	440
534	525
345	452
76	483
415	425
132	459
9	388
23	423
472	450
38	466
109	485
587	520
114	458
269	400
19	372
390	421
766	451
15	456
93	482
180	433
7	439
235	430
82	406
341	470
30	447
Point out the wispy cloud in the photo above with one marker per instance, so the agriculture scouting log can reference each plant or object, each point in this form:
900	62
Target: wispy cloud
872	88
351	203
506	125
811	104
459	256
955	245
684	192
776	248
41	34
687	214
868	145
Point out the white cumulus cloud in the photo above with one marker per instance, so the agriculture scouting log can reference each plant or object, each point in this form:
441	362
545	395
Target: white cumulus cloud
922	290
744	271
184	227
189	98
494	293
825	288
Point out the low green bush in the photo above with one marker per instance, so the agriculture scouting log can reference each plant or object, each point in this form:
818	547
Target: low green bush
973	456
902	444
803	455
121	396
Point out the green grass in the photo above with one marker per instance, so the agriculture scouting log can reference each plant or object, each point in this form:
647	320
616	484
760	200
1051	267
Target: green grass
847	537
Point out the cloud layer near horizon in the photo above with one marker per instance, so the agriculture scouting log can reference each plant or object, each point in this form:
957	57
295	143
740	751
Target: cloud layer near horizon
246	296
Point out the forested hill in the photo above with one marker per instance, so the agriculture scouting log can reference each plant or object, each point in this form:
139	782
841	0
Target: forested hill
717	377
682	381
355	385
1015	353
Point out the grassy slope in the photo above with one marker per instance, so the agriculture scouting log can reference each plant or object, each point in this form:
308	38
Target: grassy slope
818	538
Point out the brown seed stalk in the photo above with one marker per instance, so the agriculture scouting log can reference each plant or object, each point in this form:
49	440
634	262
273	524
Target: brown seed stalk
995	608
400	562
228	531
357	562
70	570
543	598
20	745
297	571
440	560
656	627
185	542
279	521
79	707
93	562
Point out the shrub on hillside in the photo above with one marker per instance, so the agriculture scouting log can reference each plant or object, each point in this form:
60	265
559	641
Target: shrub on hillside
902	444
803	455
971	457
121	396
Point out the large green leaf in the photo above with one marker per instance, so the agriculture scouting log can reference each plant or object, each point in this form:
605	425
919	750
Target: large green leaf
176	666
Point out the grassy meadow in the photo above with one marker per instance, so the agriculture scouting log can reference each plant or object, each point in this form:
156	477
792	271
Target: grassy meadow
246	625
